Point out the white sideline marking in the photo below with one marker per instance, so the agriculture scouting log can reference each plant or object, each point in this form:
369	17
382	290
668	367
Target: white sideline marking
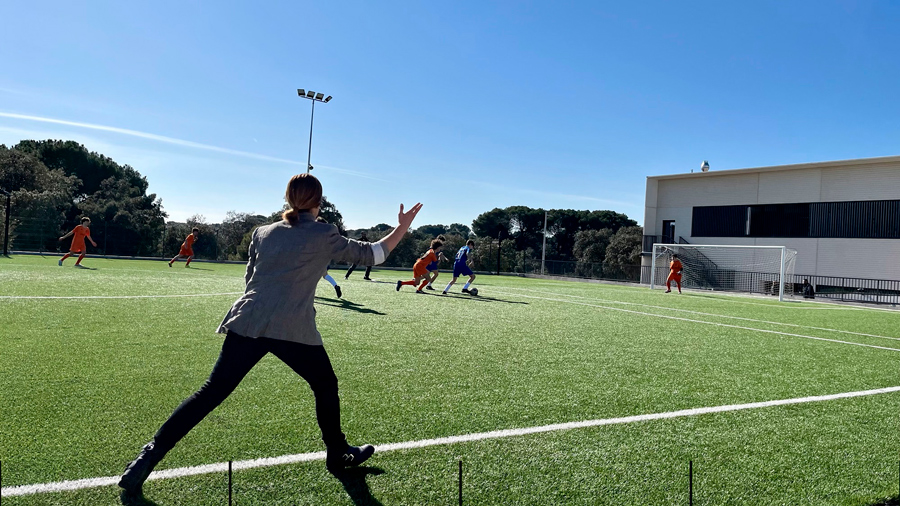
221	467
704	314
696	321
14	297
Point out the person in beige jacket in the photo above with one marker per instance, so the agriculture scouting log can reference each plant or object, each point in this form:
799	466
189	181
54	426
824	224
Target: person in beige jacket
276	315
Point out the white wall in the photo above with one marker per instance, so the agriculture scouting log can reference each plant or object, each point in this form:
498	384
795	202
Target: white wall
675	198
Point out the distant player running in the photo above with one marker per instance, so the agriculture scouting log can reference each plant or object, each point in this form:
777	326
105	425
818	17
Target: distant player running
187	248
462	266
362	238
675	269
420	269
78	234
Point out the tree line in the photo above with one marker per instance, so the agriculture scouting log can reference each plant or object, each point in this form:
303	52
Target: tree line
55	183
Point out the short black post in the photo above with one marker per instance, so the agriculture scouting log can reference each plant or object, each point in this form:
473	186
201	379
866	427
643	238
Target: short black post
229	483
460	482
690	483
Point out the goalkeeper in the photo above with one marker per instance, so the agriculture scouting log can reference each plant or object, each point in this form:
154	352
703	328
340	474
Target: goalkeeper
675	269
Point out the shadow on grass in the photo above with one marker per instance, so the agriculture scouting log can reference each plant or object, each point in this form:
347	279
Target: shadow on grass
135	499
890	501
481	298
346	304
354	481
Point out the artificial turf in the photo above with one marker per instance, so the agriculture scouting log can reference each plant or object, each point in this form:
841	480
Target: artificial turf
86	381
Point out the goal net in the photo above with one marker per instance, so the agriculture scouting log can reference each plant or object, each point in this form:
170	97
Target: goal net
752	269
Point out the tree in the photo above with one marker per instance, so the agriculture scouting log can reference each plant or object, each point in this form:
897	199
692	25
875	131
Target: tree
493	224
431	230
590	245
232	231
329	212
40	198
624	253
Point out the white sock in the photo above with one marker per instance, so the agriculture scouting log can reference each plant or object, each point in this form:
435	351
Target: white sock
330	280
448	287
467	285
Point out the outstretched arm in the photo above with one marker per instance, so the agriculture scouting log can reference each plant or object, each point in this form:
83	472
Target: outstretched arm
63	238
390	241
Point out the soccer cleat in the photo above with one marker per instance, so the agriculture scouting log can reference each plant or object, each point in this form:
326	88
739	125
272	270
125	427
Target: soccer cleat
419	291
429	287
465	290
668	291
399	284
444	292
353	456
60	263
80	266
367	278
137	471
337	290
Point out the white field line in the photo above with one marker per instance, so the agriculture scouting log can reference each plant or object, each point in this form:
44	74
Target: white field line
170	296
695	321
607	301
221	467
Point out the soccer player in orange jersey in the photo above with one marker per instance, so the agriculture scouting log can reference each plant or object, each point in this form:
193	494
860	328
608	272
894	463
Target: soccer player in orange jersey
78	234
675	269
420	269
187	248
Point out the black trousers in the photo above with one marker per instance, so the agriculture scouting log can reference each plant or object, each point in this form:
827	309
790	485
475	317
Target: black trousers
239	355
354	266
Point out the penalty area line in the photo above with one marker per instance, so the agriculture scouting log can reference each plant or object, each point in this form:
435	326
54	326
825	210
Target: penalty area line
220	467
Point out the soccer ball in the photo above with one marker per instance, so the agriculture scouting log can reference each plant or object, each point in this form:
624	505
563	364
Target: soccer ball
473	291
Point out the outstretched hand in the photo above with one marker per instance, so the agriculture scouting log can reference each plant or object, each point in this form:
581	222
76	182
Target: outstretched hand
406	219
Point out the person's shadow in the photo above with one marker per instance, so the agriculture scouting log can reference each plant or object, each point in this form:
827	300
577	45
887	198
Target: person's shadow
354	481
135	499
346	304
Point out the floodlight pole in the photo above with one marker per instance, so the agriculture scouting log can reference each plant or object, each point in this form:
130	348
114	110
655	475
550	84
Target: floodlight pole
6	224
544	246
313	97
312	114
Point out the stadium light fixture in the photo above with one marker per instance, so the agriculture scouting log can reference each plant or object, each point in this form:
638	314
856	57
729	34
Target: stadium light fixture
313	97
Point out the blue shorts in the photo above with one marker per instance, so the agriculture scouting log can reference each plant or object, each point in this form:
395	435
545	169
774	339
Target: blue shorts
433	266
461	270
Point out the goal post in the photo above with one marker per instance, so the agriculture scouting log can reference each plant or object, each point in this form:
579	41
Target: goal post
740	268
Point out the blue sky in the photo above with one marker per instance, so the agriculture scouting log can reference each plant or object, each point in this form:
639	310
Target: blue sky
464	106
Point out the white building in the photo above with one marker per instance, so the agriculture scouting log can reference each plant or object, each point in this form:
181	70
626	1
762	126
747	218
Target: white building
842	217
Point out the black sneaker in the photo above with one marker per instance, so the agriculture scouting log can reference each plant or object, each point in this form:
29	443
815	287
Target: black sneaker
137	471
337	290
465	290
353	456
444	292
429	287
399	284
367	278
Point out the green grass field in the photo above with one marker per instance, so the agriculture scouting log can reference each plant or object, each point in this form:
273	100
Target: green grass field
86	381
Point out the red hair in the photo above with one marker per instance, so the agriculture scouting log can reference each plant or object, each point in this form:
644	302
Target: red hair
304	192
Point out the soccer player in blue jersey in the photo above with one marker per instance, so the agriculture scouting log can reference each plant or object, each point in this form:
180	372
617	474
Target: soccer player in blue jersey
463	265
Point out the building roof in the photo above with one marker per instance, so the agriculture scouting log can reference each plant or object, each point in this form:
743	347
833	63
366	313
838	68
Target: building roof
858	162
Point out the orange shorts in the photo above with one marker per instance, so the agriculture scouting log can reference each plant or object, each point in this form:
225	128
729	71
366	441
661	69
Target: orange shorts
420	270
674	277
185	252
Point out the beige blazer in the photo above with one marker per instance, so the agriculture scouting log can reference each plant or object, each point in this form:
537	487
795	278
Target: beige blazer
285	265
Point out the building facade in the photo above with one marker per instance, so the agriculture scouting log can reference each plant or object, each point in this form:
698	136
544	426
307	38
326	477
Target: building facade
842	217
